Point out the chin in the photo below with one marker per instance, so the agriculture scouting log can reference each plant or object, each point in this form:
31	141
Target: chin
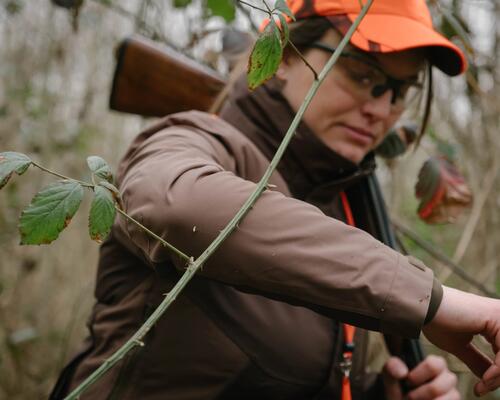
353	155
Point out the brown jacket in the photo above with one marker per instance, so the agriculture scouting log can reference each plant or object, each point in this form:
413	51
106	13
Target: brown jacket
258	321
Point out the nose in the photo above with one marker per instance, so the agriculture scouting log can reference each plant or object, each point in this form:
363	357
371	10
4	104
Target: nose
379	107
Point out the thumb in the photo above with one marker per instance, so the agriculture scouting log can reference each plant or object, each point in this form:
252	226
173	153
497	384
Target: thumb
475	359
394	371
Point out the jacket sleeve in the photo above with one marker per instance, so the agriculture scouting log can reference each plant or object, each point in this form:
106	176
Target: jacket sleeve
183	186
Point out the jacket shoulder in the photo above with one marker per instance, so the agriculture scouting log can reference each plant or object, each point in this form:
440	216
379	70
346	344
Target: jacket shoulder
211	135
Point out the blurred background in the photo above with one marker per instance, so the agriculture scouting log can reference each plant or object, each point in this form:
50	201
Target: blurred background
55	79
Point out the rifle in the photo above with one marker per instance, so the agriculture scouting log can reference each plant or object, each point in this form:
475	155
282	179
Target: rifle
409	350
152	80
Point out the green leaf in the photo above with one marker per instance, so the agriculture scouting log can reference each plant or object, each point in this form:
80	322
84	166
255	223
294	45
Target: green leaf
181	3
283	7
266	56
50	212
114	190
100	168
11	162
285	31
222	8
102	214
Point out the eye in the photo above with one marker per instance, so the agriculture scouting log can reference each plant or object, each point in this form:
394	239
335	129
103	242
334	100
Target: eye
361	78
363	74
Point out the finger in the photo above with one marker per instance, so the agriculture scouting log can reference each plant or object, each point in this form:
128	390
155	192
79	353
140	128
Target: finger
441	385
490	381
453	395
428	369
476	360
493	372
482	387
394	370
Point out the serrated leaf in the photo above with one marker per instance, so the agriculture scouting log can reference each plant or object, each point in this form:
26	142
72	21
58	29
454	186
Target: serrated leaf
102	214
50	212
285	30
11	162
283	7
443	191
222	8
100	168
266	56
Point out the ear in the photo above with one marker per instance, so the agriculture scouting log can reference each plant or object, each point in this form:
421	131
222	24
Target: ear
281	73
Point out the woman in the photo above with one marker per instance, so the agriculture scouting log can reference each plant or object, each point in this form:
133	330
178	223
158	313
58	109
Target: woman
260	320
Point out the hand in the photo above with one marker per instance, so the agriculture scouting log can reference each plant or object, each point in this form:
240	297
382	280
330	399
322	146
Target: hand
431	379
460	316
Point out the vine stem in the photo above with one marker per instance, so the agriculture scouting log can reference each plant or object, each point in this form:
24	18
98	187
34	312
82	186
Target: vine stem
86	184
160	239
195	265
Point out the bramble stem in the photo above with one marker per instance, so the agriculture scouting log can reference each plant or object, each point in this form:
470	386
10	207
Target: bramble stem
123	213
86	184
154	235
194	266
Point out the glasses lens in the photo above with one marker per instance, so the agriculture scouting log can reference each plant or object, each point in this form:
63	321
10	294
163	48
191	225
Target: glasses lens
366	82
411	93
360	77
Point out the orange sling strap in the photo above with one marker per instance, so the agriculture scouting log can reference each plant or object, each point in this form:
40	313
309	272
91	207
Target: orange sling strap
349	330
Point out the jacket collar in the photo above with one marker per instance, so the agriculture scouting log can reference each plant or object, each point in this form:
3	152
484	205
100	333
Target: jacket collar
264	116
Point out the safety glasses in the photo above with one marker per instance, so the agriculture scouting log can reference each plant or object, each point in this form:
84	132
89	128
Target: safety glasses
366	80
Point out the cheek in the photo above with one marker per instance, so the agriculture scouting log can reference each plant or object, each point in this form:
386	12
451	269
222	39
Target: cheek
330	103
297	85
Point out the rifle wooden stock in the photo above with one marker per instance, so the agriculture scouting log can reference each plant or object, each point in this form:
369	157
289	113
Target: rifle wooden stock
154	80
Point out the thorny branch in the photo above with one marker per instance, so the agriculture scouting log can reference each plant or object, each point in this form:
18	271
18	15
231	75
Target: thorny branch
195	265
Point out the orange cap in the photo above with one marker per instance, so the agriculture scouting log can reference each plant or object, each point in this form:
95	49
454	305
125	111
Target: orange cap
390	25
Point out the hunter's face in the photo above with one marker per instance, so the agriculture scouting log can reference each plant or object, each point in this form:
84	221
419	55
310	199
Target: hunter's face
344	114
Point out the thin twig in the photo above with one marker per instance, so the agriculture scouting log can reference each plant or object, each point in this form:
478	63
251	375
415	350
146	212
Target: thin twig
462	34
267	7
304	60
86	184
116	8
439	255
194	266
477	208
154	235
153	31
254	7
248	15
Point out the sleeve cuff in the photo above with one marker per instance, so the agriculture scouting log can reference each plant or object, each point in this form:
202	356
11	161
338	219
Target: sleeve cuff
435	302
407	303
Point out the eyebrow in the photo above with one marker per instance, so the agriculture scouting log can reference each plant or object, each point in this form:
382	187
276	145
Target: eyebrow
363	56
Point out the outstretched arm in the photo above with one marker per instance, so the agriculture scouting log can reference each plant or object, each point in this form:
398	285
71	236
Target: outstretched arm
460	316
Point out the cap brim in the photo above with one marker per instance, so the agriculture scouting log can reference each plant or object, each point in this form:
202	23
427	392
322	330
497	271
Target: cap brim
388	33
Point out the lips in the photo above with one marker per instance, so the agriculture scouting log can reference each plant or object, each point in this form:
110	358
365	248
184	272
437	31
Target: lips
360	135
